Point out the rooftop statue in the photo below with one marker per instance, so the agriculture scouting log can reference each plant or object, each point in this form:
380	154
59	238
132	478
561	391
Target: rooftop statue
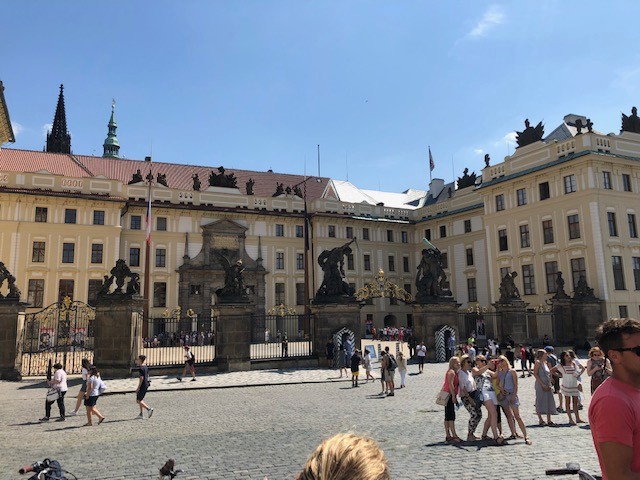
530	134
221	179
196	182
332	264
487	159
632	122
249	186
467	180
161	179
136	177
279	189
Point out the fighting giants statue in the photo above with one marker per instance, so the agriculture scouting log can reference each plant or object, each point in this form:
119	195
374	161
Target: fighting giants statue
14	292
122	274
334	285
430	277
508	290
233	290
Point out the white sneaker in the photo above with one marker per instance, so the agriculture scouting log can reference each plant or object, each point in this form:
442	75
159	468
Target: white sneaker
72	414
150	411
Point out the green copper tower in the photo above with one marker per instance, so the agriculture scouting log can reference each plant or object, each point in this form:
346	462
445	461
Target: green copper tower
111	146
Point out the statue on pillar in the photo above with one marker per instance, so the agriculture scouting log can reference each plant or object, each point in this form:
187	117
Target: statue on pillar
560	293
430	276
583	291
14	292
508	290
332	264
233	278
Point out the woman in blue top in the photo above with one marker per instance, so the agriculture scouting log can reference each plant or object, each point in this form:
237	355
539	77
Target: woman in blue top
91	396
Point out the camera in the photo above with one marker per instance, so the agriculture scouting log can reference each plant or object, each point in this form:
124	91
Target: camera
46	469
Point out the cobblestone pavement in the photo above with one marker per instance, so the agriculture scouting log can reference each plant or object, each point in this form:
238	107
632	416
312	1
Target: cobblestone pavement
221	431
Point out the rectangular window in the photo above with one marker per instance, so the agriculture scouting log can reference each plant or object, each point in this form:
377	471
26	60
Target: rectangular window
41	214
299	293
404	236
528	280
389	235
70	215
545	192
37	254
161	224
299	231
573	221
350	261
570	184
469	256
444	259
365	234
472	290
279	291
98	217
550	271
427	234
68	252
134	257
65	289
36	293
299	261
467	226
578	269
636	272
606	180
367	263
279	260
332	231
626	182
159	294
618	274
525	239
624	311
392	263
405	264
547	232
136	222
499	202
503	243
633	228
521	193
279	230
443	231
92	290
349	232
611	221
161	257
96	252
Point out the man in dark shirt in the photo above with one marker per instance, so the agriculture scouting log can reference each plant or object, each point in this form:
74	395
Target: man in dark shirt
143	385
329	350
356	360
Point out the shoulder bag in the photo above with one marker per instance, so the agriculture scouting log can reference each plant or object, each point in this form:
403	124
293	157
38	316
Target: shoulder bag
442	398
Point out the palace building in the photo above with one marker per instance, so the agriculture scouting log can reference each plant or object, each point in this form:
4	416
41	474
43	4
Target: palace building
565	202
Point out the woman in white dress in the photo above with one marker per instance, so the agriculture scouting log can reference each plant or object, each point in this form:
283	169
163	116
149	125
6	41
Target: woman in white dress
569	385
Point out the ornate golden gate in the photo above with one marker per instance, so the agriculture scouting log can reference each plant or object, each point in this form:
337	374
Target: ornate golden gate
60	333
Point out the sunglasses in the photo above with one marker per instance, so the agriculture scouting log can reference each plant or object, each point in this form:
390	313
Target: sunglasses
635	350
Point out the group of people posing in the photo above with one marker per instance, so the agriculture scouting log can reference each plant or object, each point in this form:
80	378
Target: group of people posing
492	383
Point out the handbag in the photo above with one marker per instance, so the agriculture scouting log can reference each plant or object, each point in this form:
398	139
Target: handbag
442	398
53	394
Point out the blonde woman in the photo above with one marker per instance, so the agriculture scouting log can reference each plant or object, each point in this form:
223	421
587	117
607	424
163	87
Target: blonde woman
451	384
402	367
511	404
346	456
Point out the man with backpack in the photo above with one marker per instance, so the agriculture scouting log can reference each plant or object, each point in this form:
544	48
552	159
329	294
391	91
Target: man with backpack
389	368
190	363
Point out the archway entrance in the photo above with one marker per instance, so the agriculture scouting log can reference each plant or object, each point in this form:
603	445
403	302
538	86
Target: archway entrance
346	338
442	336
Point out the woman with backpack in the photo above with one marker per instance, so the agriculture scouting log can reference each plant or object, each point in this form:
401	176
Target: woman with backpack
95	386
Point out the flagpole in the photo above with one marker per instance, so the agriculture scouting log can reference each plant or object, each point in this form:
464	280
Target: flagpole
147	258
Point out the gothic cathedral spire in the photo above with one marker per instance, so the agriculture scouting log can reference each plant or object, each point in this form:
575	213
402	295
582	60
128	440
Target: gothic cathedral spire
111	146
58	139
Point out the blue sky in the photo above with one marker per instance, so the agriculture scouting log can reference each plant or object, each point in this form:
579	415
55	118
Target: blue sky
258	84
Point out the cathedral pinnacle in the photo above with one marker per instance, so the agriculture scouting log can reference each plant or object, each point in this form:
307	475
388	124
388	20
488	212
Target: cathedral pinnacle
58	139
111	146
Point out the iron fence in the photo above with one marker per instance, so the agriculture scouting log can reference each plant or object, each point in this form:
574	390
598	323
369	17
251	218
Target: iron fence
281	336
163	346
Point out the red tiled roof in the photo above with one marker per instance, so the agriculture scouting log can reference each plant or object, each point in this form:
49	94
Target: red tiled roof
178	176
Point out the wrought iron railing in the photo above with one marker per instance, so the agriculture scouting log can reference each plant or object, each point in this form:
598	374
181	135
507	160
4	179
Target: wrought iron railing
281	336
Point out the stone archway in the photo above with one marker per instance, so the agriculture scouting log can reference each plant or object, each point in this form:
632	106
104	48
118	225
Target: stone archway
442	336
345	337
390	320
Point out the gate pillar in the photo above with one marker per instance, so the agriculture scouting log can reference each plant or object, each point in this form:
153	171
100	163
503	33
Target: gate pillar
11	325
430	317
233	338
118	334
329	318
512	321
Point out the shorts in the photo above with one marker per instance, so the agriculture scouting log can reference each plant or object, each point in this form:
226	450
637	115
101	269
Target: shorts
507	400
355	374
489	396
141	393
388	375
91	401
421	359
83	387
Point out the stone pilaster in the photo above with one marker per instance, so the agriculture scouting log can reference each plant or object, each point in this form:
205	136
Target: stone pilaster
11	329
587	315
428	318
563	325
512	320
233	337
330	318
118	334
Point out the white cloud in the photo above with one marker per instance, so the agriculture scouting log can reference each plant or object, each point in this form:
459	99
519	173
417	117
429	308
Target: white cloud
46	128
17	128
493	17
509	138
478	151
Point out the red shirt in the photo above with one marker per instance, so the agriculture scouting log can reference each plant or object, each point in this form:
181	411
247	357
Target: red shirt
614	416
456	383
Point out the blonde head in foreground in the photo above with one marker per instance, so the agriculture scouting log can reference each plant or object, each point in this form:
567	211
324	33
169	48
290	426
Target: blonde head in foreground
346	457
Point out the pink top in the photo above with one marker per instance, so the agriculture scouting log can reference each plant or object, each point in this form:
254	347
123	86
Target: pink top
621	427
456	382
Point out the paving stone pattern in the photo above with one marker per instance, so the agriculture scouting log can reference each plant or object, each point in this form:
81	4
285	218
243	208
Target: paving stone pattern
220	430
